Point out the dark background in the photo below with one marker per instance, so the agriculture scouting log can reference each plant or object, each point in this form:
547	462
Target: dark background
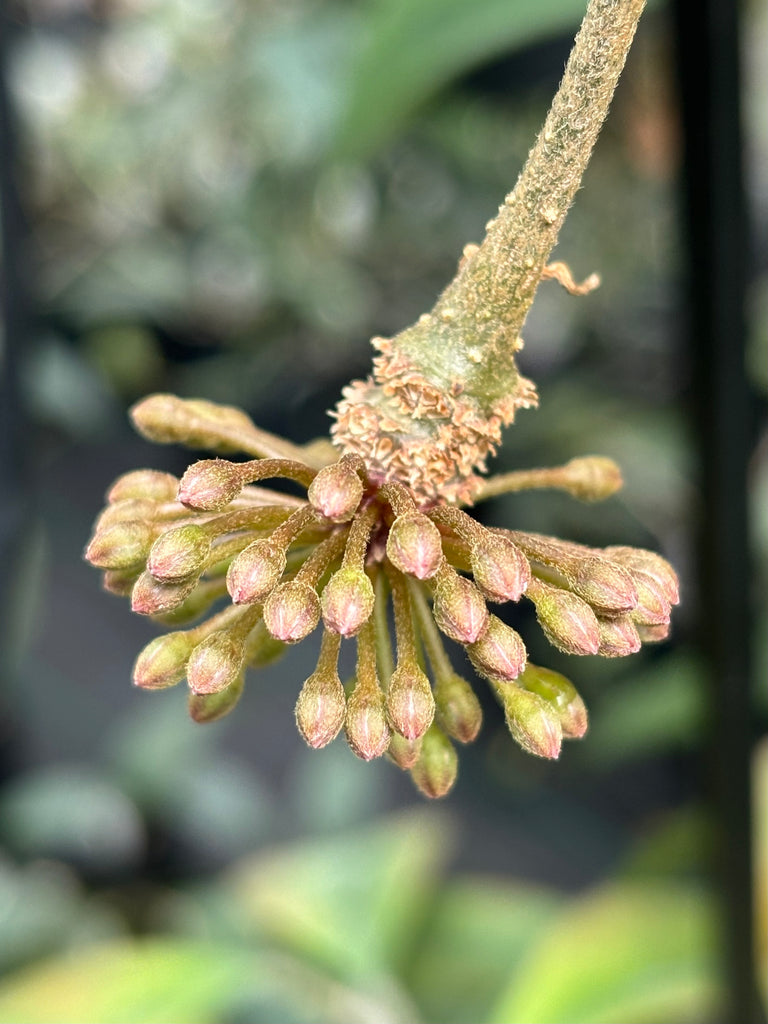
226	200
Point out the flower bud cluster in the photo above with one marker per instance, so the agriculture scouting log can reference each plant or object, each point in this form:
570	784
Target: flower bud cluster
240	571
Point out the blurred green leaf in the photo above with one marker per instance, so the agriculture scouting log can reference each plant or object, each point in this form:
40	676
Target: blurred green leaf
151	982
415	46
623	955
680	842
480	930
351	903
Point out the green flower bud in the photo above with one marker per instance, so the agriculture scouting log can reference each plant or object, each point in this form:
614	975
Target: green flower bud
437	767
199	601
652	564
215	663
414	545
459	609
291	611
410	703
336	492
402	752
605	585
458	708
209	707
499	653
151	597
167	419
321	708
163	662
561	694
120	581
500	570
618	637
365	722
533	722
255	572
121	546
591	478
179	554
210	485
567	622
123	511
150	484
347	601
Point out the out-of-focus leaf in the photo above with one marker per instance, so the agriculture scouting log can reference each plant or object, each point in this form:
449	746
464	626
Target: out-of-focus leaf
352	902
151	983
480	931
681	843
415	46
656	710
623	955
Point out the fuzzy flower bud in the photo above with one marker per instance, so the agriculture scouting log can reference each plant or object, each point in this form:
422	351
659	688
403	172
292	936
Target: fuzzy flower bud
652	564
210	707
568	622
500	570
365	723
414	546
410	703
591	478
336	492
151	597
604	584
437	767
210	485
347	601
123	511
652	634
150	484
215	663
121	546
402	752
255	572
163	662
179	554
561	694
499	653
167	419
120	581
618	637
291	611
652	608
321	708
458	708
533	722
459	608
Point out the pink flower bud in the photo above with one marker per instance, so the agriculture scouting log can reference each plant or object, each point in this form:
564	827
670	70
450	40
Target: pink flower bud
561	694
436	770
347	601
163	662
410	703
255	571
215	663
653	607
414	545
458	708
291	611
402	752
321	708
121	546
151	597
459	609
499	653
150	484
179	554
336	492
500	570
532	721
652	564
568	622
605	585
365	723
210	485
618	637
210	707
652	634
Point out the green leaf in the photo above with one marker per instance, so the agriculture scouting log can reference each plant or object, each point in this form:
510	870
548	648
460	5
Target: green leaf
413	47
479	932
623	955
351	903
150	982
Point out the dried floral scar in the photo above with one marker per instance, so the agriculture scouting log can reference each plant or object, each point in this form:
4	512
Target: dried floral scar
385	520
